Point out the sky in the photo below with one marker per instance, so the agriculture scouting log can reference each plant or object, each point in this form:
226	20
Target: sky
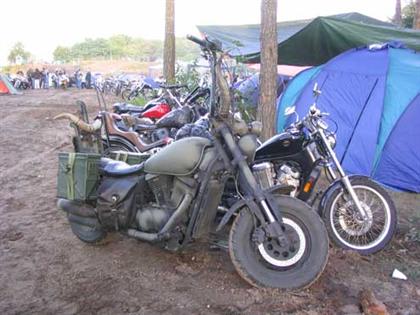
42	25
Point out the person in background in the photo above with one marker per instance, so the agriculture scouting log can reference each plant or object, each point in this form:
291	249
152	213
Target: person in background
37	78
54	79
88	79
77	79
45	78
82	80
30	74
41	81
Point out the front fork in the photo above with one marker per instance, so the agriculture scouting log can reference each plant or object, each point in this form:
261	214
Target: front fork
252	187
344	178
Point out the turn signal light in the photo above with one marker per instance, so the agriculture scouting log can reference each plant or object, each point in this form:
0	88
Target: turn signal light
307	186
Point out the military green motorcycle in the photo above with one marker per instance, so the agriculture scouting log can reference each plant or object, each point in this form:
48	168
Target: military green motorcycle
172	199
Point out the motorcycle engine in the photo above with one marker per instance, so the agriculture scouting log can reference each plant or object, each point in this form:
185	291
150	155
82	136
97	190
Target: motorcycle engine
153	215
159	134
264	174
286	175
289	176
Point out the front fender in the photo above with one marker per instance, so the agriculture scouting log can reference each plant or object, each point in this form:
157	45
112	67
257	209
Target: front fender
335	185
281	200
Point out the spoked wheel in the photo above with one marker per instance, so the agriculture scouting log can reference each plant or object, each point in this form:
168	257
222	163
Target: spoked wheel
294	265
349	230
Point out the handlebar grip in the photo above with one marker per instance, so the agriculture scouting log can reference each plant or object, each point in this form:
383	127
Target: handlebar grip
197	40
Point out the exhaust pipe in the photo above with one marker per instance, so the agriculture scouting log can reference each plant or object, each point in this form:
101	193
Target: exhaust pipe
75	208
164	232
147	237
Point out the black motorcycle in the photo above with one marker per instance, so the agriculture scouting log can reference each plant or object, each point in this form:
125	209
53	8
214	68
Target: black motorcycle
172	199
137	89
359	214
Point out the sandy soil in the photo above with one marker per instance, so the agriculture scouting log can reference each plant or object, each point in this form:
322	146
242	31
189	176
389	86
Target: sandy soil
45	269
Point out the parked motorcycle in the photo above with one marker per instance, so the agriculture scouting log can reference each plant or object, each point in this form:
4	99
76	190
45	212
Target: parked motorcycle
21	83
137	89
172	199
359	214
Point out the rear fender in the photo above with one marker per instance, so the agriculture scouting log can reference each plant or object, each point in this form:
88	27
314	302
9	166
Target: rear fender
115	140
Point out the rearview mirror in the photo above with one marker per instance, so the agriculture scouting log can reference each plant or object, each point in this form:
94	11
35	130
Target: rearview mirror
289	110
315	90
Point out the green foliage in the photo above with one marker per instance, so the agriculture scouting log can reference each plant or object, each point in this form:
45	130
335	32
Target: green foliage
123	47
185	50
248	112
408	13
139	101
62	54
18	50
189	76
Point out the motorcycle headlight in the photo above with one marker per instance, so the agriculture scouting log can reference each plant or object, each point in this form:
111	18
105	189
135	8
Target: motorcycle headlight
322	124
332	140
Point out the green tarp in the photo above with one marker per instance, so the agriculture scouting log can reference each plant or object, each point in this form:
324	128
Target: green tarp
311	42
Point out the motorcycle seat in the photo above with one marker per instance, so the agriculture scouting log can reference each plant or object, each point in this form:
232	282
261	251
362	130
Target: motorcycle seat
114	168
127	108
144	127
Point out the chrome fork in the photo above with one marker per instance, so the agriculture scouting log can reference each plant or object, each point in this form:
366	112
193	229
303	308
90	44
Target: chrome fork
343	176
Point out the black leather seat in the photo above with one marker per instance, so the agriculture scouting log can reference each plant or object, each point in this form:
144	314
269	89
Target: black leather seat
144	127
118	169
123	108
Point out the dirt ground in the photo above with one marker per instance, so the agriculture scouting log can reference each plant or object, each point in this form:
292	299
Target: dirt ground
45	269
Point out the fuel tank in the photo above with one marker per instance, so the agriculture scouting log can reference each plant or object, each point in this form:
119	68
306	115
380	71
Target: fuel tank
176	118
180	158
280	146
157	111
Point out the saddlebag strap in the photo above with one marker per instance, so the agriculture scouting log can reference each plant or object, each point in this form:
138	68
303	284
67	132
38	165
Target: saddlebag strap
70	175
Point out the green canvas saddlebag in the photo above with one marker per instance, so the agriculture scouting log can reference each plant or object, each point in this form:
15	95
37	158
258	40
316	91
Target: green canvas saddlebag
78	176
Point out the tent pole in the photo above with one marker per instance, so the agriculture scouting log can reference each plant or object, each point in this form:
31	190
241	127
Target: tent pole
358	120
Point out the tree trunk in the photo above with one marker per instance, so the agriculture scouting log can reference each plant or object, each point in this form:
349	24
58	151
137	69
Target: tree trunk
397	16
169	46
416	24
268	71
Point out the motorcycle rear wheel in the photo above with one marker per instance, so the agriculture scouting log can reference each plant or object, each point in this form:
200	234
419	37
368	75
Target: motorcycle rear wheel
348	231
261	266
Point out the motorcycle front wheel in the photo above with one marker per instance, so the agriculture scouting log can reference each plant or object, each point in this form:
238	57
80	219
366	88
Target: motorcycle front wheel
348	229
269	264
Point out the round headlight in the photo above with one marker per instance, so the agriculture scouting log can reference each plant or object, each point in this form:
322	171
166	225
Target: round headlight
322	124
332	140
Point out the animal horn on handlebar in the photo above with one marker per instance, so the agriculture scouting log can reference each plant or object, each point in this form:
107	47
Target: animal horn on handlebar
225	100
96	125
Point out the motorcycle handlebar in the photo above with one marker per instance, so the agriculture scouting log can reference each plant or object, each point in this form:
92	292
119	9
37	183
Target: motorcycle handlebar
173	86
206	43
197	40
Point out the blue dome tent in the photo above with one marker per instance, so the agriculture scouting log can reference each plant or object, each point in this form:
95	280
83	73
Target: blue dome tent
373	93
